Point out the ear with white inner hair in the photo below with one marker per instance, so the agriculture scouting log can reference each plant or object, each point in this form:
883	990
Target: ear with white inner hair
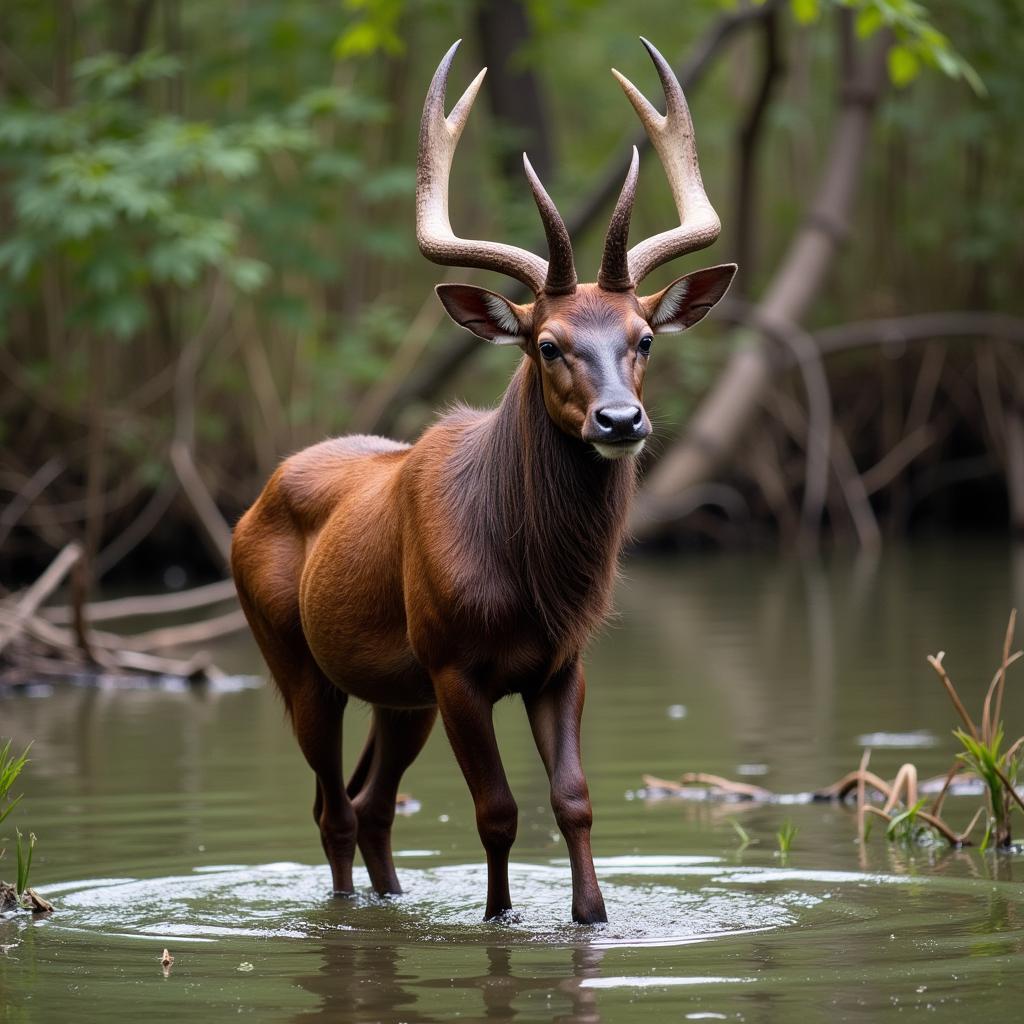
687	300
486	314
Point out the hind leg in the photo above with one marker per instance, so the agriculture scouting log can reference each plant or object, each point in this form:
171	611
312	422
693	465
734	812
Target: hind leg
396	739
316	708
317	715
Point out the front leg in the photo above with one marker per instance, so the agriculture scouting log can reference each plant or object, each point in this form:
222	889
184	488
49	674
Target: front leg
467	716
555	715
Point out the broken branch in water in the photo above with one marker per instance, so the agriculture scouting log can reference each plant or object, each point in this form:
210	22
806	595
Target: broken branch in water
989	770
32	642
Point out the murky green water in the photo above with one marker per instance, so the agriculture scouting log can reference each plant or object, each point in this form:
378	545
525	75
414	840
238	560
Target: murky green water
182	819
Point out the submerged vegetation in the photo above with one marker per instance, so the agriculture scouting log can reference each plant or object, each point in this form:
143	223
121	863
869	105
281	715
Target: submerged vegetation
18	895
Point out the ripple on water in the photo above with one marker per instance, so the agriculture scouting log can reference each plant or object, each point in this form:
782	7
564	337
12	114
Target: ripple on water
651	901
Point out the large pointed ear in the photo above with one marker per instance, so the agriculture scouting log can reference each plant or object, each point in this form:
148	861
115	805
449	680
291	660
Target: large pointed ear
486	314
687	300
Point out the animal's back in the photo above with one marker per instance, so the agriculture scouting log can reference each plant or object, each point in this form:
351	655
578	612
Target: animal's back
275	549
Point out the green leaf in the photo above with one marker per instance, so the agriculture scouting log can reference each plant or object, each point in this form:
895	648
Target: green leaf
869	20
904	65
123	316
806	12
248	275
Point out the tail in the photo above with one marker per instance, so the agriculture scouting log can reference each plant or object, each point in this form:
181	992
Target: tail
362	769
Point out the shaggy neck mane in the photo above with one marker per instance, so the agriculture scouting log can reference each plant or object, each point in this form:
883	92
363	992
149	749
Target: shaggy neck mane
542	513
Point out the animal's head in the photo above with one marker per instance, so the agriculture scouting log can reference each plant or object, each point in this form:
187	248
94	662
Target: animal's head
591	342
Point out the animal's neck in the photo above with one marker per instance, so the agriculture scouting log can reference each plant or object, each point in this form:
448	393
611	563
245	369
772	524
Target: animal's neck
555	510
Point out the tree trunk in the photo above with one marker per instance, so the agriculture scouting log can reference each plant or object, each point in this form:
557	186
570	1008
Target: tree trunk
720	421
513	91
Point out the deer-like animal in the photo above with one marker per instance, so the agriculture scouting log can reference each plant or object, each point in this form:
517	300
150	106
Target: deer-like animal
477	562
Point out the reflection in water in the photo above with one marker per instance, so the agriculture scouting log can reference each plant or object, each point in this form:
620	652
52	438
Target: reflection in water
386	983
361	982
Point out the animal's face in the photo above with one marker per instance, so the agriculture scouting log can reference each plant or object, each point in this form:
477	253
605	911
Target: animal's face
592	347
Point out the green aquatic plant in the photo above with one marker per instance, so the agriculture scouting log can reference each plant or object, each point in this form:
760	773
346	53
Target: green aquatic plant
906	826
11	897
983	752
741	834
10	769
785	836
24	862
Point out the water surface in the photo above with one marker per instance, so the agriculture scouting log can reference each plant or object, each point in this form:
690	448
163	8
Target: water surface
181	818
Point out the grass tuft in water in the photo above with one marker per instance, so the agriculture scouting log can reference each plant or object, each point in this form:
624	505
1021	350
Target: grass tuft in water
741	834
983	752
785	836
24	862
10	769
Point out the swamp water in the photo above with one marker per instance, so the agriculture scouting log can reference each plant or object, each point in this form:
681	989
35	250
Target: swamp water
181	818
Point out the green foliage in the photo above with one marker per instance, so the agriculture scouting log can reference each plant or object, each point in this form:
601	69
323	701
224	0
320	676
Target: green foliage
917	41
785	836
993	765
10	768
375	29
24	868
741	834
246	178
903	827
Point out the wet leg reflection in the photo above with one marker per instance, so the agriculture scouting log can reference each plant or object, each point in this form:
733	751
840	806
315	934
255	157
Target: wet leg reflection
360	979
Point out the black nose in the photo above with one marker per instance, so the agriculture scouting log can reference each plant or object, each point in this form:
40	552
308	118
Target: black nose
620	422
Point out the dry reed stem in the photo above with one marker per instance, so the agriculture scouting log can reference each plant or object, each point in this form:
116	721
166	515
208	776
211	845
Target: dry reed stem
861	794
1001	671
965	836
935	660
1001	675
954	770
841	789
953	838
906	778
1014	748
1009	785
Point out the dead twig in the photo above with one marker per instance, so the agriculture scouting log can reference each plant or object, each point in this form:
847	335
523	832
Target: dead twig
36	594
935	660
208	515
148	604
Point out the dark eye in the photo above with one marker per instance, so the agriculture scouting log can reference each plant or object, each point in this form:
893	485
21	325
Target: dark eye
548	350
644	345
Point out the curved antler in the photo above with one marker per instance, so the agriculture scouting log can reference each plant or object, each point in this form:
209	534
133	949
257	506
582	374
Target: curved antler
439	136
672	136
614	274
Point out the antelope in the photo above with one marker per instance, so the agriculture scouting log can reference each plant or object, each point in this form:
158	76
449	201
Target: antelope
476	563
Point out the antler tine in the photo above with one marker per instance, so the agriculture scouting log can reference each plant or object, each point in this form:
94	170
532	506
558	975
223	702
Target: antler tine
439	136
614	273
561	275
672	136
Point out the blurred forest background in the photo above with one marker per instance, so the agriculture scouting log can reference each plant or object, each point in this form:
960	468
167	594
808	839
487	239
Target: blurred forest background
207	256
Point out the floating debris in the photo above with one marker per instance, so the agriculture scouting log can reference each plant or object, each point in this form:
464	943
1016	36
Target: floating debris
982	768
405	804
31	900
245	967
919	738
676	711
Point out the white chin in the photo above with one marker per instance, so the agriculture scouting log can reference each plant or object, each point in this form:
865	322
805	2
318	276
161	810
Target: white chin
618	451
